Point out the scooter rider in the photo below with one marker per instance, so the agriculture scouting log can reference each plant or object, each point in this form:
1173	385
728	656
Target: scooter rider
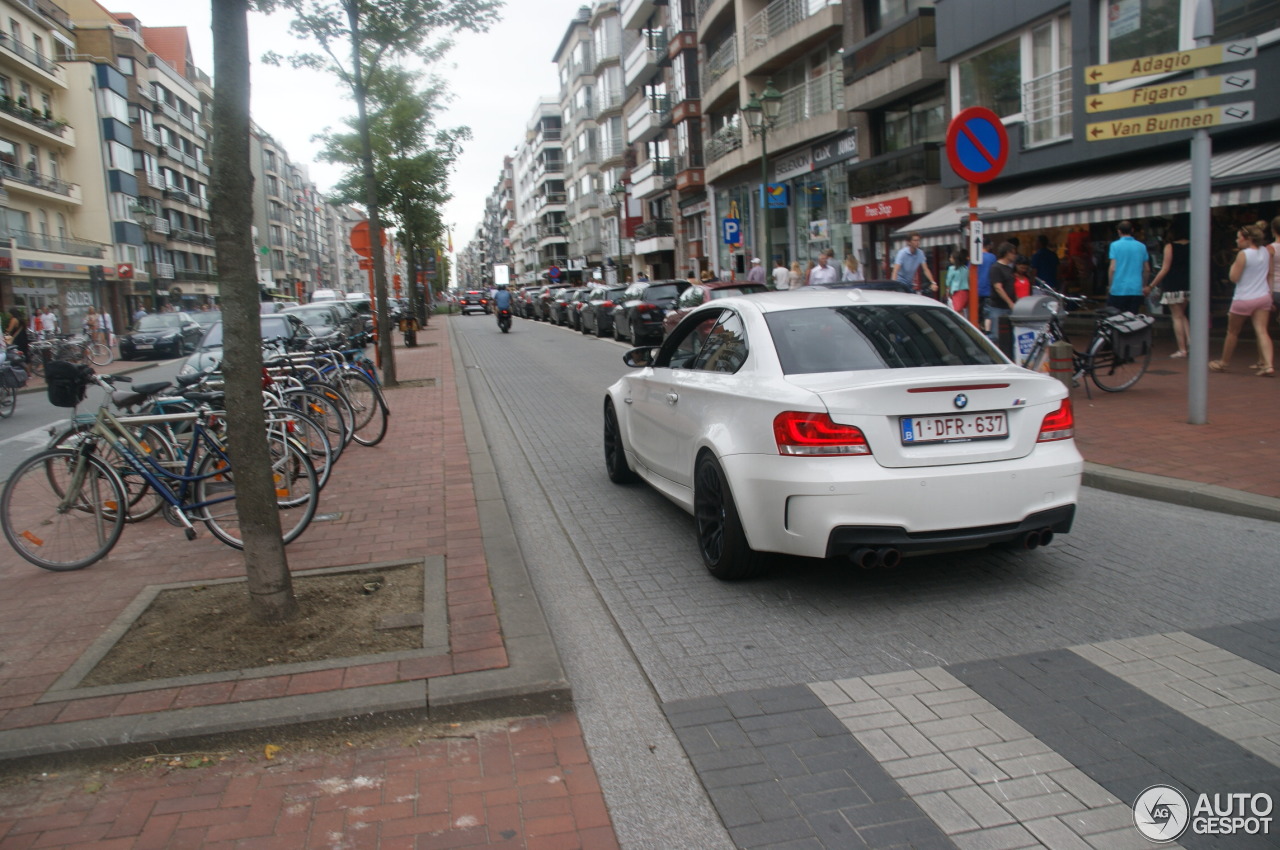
501	301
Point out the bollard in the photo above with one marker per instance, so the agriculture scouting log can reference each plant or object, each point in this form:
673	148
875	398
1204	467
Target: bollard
1060	365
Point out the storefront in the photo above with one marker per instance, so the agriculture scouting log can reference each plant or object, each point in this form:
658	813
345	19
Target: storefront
821	202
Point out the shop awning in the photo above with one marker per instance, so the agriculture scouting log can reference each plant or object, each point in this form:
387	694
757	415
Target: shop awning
1246	176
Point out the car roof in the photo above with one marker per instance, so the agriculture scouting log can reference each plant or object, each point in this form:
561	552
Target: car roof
807	297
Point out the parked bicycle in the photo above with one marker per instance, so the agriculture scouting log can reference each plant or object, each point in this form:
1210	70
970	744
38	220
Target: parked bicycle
65	508
70	348
1118	353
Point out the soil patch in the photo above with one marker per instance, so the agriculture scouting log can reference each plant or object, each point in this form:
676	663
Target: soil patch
207	628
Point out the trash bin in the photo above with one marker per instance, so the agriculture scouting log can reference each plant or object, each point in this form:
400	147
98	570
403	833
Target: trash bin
1029	318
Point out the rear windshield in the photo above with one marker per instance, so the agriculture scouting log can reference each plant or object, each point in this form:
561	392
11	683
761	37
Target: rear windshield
730	291
666	290
881	336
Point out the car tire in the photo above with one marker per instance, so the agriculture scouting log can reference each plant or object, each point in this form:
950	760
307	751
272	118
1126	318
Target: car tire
599	330
721	539
615	456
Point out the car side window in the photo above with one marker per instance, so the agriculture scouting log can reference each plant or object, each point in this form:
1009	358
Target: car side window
725	348
681	349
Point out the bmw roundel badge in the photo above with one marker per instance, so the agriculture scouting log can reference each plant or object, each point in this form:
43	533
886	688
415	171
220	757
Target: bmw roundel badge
961	401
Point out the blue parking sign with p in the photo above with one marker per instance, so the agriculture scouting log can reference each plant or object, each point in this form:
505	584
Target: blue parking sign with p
731	230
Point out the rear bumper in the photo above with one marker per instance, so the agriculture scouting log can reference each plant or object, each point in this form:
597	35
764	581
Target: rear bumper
846	540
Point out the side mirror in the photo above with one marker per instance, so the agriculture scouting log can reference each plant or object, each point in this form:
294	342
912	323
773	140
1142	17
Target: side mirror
640	357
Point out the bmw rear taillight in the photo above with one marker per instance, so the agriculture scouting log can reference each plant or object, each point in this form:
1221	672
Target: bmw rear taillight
1059	425
801	434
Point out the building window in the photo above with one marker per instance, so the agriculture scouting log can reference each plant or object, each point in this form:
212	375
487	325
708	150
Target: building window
882	13
1046	96
1136	28
914	122
125	64
992	79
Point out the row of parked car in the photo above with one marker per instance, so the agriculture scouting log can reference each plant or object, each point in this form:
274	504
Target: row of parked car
643	312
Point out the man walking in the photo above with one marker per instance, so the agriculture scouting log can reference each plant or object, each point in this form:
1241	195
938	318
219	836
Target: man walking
1129	271
824	272
909	260
780	275
1002	291
756	275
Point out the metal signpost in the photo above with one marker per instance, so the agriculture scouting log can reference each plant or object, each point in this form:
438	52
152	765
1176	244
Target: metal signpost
1199	119
977	148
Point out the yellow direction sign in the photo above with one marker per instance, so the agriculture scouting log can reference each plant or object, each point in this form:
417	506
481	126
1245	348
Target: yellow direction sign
1169	92
1165	63
1169	122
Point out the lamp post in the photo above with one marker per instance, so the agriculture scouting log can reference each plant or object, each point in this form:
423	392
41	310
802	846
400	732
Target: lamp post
619	195
761	114
141	214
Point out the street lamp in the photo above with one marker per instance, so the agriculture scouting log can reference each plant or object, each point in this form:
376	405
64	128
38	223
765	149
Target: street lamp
761	114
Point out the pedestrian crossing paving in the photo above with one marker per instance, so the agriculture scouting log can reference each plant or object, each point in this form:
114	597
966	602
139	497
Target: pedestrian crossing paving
1048	749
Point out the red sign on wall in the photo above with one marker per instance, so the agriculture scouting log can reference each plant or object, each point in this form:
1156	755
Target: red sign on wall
861	213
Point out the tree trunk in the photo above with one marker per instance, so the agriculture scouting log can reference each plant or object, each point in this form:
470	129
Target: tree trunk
231	211
372	207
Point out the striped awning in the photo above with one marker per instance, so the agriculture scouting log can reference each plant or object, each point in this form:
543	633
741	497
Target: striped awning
1245	176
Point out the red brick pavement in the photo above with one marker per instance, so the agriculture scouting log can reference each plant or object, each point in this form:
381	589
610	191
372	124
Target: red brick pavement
522	783
1146	428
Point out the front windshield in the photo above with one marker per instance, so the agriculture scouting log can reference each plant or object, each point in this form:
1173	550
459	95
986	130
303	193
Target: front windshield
270	327
160	322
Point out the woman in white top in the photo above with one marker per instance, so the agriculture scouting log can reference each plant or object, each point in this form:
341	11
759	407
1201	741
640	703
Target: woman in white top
1251	300
795	277
851	270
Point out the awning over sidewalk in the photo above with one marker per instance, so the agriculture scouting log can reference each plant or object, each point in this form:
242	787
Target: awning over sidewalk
1246	176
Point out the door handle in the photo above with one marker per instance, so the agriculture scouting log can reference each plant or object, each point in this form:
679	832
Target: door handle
672	398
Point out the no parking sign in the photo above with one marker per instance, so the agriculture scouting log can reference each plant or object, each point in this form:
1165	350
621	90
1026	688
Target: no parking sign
977	145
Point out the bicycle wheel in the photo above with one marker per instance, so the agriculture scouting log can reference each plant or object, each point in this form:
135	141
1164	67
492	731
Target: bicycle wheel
35	365
369	405
326	411
99	353
309	434
1113	373
56	532
141	500
8	401
297	493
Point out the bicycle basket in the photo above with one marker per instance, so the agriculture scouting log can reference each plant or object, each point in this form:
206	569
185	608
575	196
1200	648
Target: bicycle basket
1130	335
66	382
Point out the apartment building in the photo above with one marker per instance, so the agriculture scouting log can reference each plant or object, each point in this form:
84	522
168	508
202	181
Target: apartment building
295	258
541	240
55	238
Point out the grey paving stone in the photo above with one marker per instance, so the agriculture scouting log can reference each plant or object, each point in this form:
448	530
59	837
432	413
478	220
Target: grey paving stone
911	741
771	801
1001	838
771	832
943	780
880	745
734	806
834	831
721	759
727	735
980	806
1043	806
1053	834
920	764
978	766
906	833
733	776
812	782
949	815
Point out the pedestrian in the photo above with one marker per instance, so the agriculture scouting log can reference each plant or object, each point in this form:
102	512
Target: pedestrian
91	324
644	278
1128	272
137	317
852	273
1251	300
824	272
985	263
781	278
1023	277
1002	289
756	274
49	324
1174	280
16	333
1045	262
957	281
708	276
909	260
795	277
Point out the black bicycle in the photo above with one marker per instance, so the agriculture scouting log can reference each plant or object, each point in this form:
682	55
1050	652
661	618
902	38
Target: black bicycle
1118	353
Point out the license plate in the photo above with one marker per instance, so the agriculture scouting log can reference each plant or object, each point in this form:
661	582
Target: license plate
144	347
954	428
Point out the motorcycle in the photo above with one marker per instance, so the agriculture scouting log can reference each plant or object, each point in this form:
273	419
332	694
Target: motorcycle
504	320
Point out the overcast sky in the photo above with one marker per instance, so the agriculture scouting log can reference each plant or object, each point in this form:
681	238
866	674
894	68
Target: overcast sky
497	78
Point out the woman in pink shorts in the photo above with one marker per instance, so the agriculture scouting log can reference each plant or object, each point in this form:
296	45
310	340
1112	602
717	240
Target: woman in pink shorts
1251	300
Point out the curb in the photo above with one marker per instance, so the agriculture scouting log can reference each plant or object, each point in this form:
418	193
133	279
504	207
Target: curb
1178	491
534	682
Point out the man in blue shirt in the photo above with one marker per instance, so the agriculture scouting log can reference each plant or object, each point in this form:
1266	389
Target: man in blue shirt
1129	271
501	301
909	259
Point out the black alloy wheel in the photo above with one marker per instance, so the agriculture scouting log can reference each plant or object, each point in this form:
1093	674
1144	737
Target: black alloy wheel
721	540
615	456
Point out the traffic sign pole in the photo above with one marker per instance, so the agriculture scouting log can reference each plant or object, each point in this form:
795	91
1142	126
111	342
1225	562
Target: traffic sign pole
977	149
1201	187
975	259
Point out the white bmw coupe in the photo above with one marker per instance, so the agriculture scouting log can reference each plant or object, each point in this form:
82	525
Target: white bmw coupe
843	423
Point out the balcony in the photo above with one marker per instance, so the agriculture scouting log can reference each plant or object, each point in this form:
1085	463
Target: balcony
28	118
778	29
611	149
893	63
813	97
635	13
689	172
722	142
645	122
17	179
715	80
578	206
56	244
607	100
22	51
162	271
644	59
159	225
193	236
1046	105
654	236
891	172
652	177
